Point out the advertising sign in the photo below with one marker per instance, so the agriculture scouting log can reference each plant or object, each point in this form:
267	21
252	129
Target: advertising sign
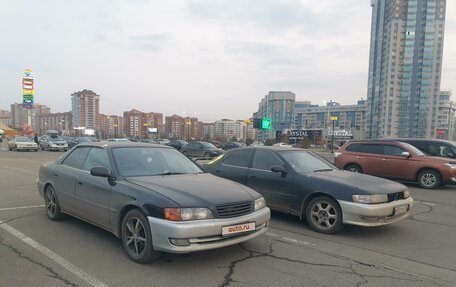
28	92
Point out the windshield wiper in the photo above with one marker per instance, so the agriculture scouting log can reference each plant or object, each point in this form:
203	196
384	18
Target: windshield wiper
324	169
170	173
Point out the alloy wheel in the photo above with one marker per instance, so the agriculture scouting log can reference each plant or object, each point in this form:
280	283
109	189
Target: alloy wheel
324	215
51	203
135	235
428	179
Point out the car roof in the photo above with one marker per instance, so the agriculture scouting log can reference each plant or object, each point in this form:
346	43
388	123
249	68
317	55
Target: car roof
419	140
123	144
271	148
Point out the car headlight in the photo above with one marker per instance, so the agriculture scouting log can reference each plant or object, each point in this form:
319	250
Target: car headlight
372	198
406	194
450	164
186	214
259	203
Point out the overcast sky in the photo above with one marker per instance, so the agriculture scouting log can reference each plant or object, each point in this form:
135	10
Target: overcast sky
213	58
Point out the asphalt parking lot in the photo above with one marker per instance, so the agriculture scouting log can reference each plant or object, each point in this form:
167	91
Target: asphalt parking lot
418	251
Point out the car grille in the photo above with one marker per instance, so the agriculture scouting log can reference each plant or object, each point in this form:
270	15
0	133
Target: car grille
395	196
234	209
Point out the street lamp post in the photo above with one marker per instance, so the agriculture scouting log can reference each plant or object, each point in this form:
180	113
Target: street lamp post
333	119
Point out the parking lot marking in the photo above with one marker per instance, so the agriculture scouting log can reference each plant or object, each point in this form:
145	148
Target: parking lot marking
20	207
426	203
52	255
288	239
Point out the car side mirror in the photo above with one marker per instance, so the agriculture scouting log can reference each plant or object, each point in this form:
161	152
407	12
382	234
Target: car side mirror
405	154
279	168
100	171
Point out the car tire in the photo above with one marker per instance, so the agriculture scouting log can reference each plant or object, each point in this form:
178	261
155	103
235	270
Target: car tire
51	204
429	179
137	238
354	168
324	215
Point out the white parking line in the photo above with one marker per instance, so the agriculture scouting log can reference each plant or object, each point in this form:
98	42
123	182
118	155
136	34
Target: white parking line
426	203
20	207
52	255
288	239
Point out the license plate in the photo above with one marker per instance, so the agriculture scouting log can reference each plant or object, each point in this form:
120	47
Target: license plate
400	209
239	228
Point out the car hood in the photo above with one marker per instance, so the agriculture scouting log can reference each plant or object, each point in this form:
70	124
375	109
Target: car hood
344	180
196	190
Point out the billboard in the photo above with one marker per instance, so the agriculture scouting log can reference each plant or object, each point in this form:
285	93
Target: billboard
28	92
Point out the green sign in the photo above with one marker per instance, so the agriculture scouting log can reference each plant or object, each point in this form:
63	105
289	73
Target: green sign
266	124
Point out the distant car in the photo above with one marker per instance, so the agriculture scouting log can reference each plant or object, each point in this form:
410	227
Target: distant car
177	144
282	145
163	141
119	140
152	197
217	144
201	149
256	143
53	142
77	140
22	143
396	160
231	145
150	141
302	183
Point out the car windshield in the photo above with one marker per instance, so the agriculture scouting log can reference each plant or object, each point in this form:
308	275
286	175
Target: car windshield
23	139
208	145
413	149
147	161
304	161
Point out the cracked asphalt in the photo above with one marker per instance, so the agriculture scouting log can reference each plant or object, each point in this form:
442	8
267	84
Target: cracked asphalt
418	251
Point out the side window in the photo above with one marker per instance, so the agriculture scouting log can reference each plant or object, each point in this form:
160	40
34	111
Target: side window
238	158
354	147
77	157
97	157
372	148
265	160
191	146
393	150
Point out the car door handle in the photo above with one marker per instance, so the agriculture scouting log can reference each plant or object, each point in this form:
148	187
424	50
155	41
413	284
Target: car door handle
55	174
217	170
385	159
80	183
252	176
359	157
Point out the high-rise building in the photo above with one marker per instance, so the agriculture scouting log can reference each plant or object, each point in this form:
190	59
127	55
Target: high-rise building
445	121
20	115
405	67
279	107
61	122
85	108
175	127
5	117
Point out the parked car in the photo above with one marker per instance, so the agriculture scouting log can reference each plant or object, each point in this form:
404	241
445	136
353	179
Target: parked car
396	160
163	141
217	144
256	143
201	149
282	145
125	140
231	145
177	144
152	197
53	142
433	147
77	140
302	183
22	143
149	141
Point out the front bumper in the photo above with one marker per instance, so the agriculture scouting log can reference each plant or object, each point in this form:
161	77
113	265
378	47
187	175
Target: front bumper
58	147
204	234
19	147
373	214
